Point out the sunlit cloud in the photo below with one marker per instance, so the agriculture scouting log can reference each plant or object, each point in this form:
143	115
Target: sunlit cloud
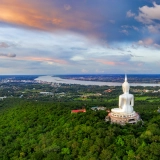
148	14
112	63
145	42
79	36
43	59
42	16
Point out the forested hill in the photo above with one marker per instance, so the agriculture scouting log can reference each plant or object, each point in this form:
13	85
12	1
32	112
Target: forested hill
48	130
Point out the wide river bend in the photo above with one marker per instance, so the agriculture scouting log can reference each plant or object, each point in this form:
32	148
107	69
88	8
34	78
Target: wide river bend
72	81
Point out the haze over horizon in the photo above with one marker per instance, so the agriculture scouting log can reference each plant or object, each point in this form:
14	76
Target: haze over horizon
79	37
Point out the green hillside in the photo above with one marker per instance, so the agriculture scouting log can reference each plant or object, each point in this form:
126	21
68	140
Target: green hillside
48	130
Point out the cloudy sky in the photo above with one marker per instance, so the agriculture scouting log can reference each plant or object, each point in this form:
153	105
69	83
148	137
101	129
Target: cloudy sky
79	36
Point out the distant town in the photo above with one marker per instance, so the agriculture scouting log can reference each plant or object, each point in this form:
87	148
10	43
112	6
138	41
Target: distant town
139	78
26	87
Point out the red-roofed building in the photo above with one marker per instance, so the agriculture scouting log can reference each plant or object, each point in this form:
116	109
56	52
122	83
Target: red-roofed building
78	110
108	90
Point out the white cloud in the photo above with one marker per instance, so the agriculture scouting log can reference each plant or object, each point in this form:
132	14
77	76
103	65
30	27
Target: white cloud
153	28
77	58
135	28
130	14
148	14
157	45
68	53
124	31
130	27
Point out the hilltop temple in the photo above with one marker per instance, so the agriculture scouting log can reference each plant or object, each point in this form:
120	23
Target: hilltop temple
125	113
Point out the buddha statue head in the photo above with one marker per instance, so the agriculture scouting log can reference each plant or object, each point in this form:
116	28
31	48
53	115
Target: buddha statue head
125	86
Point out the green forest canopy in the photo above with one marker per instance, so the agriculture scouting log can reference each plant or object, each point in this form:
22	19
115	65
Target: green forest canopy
48	130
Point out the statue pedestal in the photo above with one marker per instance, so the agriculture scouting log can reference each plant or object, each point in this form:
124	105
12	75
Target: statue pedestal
123	118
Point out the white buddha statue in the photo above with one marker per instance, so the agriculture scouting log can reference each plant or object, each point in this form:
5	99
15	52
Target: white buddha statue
126	100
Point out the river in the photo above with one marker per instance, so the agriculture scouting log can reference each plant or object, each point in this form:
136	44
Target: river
72	81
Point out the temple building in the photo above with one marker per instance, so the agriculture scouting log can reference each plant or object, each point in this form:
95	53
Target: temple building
125	113
78	111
